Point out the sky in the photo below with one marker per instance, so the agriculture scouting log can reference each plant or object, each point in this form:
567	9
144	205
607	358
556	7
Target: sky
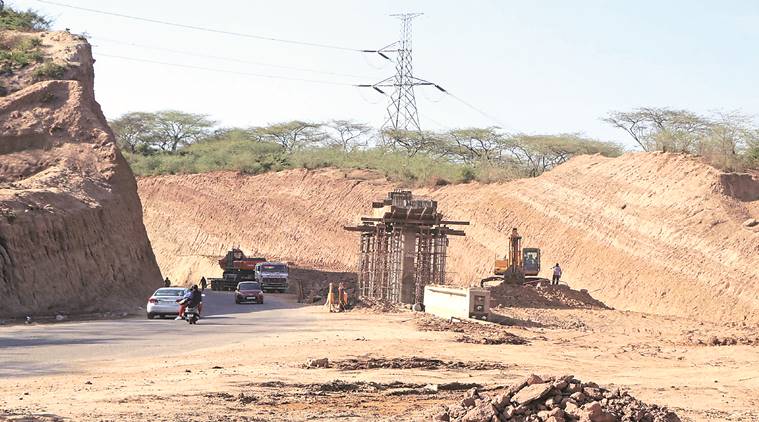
537	67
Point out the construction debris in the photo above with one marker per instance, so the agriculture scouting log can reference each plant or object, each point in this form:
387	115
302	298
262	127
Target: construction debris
357	364
403	248
553	399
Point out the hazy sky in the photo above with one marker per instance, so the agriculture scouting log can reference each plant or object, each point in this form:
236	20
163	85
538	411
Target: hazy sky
535	66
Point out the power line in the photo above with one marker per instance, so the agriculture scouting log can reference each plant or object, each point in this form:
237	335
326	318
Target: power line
229	59
492	118
210	69
201	28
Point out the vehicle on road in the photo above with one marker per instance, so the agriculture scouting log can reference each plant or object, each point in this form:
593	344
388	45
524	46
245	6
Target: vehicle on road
192	315
249	292
163	302
237	267
272	276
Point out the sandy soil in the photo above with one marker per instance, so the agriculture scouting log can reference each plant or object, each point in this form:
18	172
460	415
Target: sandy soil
660	233
263	378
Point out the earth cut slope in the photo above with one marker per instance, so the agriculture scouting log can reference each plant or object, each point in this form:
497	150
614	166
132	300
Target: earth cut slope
651	232
71	233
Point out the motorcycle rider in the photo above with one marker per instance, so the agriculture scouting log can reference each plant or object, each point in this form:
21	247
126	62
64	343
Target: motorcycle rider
192	298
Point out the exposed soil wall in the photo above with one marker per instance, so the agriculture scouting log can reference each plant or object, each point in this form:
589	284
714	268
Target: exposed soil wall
652	232
71	233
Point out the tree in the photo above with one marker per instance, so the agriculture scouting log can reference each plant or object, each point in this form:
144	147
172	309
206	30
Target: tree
133	130
412	142
475	145
172	128
348	135
661	129
292	136
538	153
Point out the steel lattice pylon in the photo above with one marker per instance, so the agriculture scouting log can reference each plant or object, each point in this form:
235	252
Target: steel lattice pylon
402	114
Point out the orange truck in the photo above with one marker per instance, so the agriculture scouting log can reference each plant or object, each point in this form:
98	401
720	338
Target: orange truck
237	267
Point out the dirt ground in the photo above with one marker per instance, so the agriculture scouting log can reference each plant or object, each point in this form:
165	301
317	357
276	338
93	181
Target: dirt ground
264	377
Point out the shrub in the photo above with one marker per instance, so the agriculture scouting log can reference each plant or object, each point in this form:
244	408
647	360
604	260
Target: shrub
28	20
48	70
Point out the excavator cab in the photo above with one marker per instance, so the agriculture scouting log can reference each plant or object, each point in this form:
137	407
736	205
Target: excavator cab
531	261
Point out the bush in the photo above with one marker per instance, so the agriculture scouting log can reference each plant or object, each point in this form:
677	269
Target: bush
19	51
28	20
48	70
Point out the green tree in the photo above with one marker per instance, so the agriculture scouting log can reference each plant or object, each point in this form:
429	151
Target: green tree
474	145
539	153
134	131
661	129
172	128
348	135
291	136
413	142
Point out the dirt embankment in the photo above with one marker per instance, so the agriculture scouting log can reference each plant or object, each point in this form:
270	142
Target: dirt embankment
652	232
71	233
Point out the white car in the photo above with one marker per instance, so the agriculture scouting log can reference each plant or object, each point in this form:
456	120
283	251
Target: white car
164	302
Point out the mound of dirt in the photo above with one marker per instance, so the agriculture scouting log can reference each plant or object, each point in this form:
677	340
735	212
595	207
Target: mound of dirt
471	332
71	233
553	399
648	232
557	297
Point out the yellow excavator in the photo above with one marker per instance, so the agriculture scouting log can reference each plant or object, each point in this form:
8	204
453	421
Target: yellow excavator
519	266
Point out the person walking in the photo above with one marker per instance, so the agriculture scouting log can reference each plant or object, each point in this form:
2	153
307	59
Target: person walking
556	274
167	282
203	284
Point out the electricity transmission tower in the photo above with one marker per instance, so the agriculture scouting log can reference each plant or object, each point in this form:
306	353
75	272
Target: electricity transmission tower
401	111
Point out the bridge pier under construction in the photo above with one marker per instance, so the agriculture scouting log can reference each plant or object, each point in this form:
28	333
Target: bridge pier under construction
403	248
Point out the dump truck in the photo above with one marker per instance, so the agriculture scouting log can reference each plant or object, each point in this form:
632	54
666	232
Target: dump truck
273	276
236	268
518	266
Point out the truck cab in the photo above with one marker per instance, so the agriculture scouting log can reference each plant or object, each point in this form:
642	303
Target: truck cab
273	276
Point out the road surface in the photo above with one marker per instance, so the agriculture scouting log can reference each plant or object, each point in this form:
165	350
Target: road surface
28	350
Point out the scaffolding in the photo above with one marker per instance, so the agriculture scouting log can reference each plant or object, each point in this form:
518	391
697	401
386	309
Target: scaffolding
402	248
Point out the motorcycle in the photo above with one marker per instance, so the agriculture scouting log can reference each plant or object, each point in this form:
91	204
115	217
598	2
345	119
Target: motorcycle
192	315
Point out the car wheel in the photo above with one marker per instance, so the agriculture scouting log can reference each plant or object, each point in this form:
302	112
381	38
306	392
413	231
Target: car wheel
150	315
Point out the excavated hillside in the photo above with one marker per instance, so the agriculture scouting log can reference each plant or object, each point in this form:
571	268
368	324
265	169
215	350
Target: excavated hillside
651	232
71	233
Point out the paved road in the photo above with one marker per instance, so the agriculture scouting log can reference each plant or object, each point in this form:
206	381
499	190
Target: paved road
50	348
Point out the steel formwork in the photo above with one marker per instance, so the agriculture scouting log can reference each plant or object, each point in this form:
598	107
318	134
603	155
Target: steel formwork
402	248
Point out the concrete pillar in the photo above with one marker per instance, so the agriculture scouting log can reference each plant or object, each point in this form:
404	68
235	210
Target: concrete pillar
408	271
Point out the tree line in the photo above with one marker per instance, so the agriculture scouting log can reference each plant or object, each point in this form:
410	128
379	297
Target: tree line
170	132
165	141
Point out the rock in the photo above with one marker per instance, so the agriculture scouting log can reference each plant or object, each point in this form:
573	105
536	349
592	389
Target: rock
592	409
578	397
501	401
751	222
468	402
560	385
593	393
441	417
318	363
509	412
573	388
472	392
532	393
572	409
60	317
514	388
481	413
534	379
88	382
